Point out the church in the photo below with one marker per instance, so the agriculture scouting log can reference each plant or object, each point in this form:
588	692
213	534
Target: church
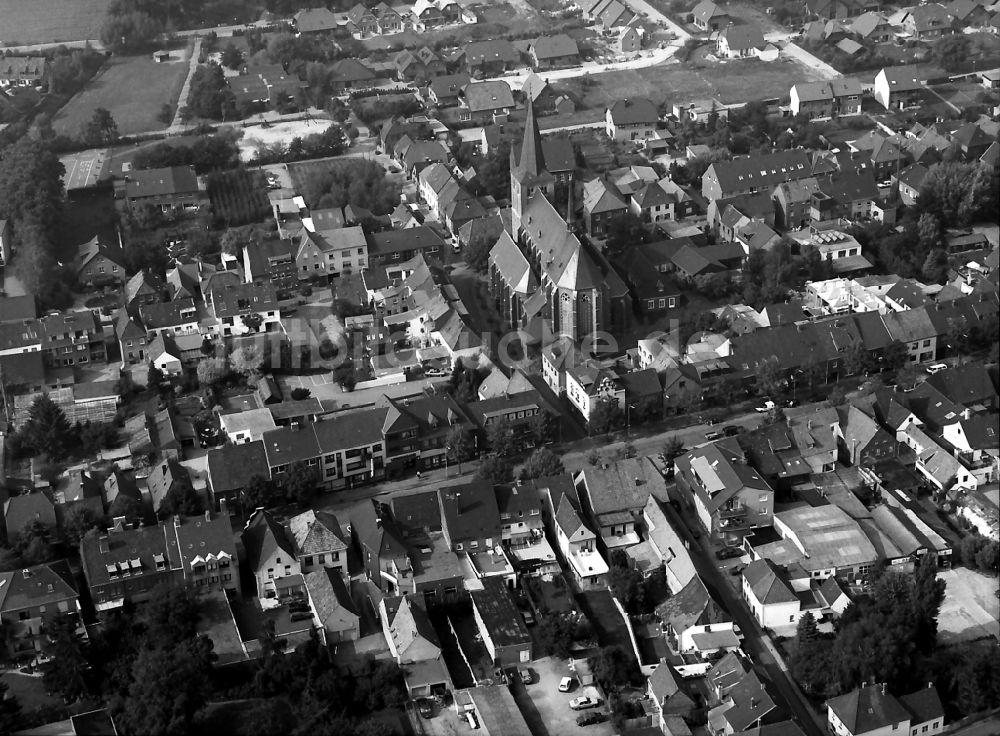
543	278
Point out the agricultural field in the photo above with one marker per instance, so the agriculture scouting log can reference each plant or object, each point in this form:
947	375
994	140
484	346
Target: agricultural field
44	21
133	88
733	81
238	197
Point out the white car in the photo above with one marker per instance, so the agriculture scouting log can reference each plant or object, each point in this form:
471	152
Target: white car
583	702
937	368
565	684
768	405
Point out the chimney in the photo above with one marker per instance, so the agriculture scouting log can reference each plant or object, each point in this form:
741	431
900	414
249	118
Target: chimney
177	521
222	506
26	573
102	545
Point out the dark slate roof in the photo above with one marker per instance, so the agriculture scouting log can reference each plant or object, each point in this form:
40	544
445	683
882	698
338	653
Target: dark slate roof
160	182
633	110
868	708
499	614
553	47
470	511
262	536
231	467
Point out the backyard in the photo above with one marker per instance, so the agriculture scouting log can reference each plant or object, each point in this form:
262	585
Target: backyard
132	88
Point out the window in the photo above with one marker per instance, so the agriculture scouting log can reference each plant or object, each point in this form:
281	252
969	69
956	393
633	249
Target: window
307	560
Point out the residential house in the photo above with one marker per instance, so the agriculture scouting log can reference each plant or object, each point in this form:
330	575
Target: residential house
928	21
32	599
753	174
968	13
740	42
614	496
483	101
552	52
872	27
601	205
631	119
23	71
362	22
127	563
489	58
415	431
630	39
315	20
668	546
826	99
332	605
871	711
389	21
898	87
709	17
729	497
470	517
793	203
408	630
576	541
386	560
231	468
72	338
746	705
270	553
99	264
241	309
349	74
444	90
501	625
331	253
172	189
666	689
863	440
768	592
319	541
653	292
589	386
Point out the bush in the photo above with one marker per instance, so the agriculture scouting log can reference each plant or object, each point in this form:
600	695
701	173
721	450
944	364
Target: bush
238	197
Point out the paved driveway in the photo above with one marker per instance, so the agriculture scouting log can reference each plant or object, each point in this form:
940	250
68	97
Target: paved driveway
971	609
542	703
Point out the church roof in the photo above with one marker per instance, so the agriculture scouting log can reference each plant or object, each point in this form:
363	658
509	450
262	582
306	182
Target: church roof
528	164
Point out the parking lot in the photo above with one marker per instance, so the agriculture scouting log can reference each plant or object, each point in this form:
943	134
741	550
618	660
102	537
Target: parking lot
542	703
970	609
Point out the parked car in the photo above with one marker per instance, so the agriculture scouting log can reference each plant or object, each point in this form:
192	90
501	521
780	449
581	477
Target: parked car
526	677
471	719
425	707
736	570
583	702
731	430
727	553
767	406
529	618
713	435
566	684
937	368
589	719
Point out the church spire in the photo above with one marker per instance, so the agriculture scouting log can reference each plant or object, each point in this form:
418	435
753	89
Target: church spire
529	163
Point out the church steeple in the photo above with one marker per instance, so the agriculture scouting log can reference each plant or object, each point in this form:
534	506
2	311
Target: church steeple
527	168
530	162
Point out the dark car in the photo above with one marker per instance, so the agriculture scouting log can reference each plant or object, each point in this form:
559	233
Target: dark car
736	570
727	553
589	719
731	430
425	707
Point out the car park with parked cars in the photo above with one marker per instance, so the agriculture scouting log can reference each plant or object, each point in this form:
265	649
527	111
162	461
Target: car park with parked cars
584	702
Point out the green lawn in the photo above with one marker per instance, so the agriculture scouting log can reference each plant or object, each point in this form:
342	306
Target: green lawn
133	88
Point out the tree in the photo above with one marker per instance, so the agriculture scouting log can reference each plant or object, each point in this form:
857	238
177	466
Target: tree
253	322
34	545
232	57
672	449
626	583
927	597
129	31
935	268
47	429
542	427
126	506
168	688
542	463
207	347
209	96
300	482
458	446
605	416
500	435
494	470
247	361
895	356
554	634
101	129
260	493
612	667
836	396
65	671
952	51
211	371
154	378
987	557
300	393
77	521
10	710
181	499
